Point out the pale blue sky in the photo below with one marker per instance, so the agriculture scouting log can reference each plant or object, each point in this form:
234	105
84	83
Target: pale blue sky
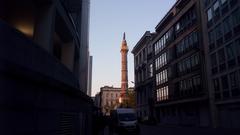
108	20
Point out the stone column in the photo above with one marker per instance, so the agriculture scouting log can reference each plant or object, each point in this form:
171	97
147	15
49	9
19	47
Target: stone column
124	70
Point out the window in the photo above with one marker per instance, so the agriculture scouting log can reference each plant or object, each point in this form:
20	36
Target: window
206	3
161	43
216	10
188	64
224	80
191	39
233	80
213	60
237	46
161	61
218	31
236	17
227	25
216	6
162	77
188	42
211	37
195	37
216	85
230	51
151	70
196	81
162	94
221	56
210	14
195	60
177	27
223	2
189	84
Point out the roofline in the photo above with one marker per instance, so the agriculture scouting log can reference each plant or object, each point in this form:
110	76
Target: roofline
146	34
167	14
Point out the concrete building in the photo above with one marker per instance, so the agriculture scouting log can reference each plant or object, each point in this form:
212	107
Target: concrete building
97	101
43	78
196	64
179	69
144	79
109	98
221	19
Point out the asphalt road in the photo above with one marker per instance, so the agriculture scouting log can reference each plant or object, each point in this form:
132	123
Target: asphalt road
161	130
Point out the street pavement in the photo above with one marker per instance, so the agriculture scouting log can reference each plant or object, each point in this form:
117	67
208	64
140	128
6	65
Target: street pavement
170	130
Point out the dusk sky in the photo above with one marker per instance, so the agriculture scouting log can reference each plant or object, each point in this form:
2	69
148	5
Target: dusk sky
109	19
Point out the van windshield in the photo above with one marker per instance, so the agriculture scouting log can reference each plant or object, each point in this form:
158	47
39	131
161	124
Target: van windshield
127	117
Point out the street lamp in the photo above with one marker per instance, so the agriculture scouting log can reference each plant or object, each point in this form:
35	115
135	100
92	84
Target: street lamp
120	100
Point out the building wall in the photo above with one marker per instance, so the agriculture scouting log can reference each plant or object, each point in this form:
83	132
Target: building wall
83	29
39	67
221	22
90	62
196	64
109	99
143	67
180	67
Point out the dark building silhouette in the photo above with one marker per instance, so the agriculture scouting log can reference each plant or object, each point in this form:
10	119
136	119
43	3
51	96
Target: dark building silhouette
43	83
144	78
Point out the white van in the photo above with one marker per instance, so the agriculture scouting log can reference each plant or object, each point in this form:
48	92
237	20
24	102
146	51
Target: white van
124	120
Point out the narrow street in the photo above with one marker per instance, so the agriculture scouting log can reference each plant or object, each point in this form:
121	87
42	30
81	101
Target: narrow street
161	130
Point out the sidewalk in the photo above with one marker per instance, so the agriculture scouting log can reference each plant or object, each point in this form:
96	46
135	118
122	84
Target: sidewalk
176	130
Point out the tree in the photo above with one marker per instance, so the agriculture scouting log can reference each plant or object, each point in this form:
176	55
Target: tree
130	100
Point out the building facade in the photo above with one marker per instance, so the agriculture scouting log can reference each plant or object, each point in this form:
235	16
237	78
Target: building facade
109	99
97	100
180	77
144	79
41	79
221	19
196	64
